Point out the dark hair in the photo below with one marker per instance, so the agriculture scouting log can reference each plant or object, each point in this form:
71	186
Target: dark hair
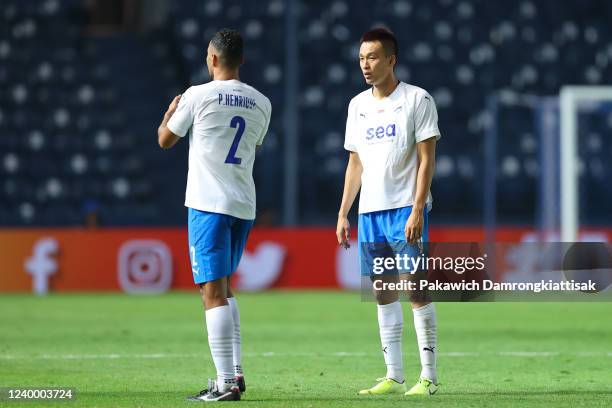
229	44
385	36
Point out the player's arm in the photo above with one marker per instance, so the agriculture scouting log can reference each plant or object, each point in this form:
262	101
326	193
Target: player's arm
352	184
165	137
267	111
426	153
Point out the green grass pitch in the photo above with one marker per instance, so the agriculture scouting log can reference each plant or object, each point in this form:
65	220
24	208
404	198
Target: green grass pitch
302	349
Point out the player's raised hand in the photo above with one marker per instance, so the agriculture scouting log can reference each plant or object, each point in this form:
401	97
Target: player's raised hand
343	232
414	227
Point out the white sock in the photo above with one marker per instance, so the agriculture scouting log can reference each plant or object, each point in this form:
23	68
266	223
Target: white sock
426	327
237	340
220	326
391	323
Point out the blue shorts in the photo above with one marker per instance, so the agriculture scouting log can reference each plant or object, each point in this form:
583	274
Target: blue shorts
216	242
381	235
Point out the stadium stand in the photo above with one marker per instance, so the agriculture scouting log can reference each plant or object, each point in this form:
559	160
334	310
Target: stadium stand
78	111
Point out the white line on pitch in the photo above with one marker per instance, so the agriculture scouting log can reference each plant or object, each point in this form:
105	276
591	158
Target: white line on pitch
529	353
349	354
295	354
459	354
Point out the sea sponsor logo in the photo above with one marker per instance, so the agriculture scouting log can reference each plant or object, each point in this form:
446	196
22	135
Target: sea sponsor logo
381	132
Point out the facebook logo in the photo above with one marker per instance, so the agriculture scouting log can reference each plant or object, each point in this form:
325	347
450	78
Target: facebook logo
41	265
380	132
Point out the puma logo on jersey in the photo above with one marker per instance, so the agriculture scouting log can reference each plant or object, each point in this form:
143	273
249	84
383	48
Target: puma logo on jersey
429	349
381	131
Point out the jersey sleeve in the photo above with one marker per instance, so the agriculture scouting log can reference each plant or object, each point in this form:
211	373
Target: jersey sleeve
268	113
350	142
426	119
182	119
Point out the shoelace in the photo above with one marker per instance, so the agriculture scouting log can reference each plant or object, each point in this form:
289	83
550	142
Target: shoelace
428	382
212	387
381	379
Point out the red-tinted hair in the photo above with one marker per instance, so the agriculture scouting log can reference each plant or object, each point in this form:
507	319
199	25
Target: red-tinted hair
385	36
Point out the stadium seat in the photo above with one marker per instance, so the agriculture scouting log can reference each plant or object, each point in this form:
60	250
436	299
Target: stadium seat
83	108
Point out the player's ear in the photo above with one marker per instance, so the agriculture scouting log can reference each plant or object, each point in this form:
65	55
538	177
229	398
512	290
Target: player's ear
215	60
393	60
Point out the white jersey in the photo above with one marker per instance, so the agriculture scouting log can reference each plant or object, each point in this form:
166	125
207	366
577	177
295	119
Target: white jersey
384	133
226	120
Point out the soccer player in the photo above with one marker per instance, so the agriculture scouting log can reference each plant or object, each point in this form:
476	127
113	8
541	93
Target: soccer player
226	121
391	134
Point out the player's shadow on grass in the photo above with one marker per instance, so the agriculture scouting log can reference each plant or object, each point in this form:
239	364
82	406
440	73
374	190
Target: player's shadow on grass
368	398
175	398
534	393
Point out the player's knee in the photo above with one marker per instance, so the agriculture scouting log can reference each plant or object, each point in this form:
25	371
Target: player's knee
418	303
214	294
384	297
230	294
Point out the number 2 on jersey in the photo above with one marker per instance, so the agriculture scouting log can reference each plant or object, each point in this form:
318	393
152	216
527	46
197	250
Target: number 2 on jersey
239	124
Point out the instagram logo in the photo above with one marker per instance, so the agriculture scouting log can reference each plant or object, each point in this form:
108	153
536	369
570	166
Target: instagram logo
145	266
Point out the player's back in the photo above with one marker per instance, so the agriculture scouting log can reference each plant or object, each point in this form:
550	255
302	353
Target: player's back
230	119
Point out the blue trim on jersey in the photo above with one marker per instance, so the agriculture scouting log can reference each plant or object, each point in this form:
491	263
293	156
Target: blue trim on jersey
216	243
382	234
